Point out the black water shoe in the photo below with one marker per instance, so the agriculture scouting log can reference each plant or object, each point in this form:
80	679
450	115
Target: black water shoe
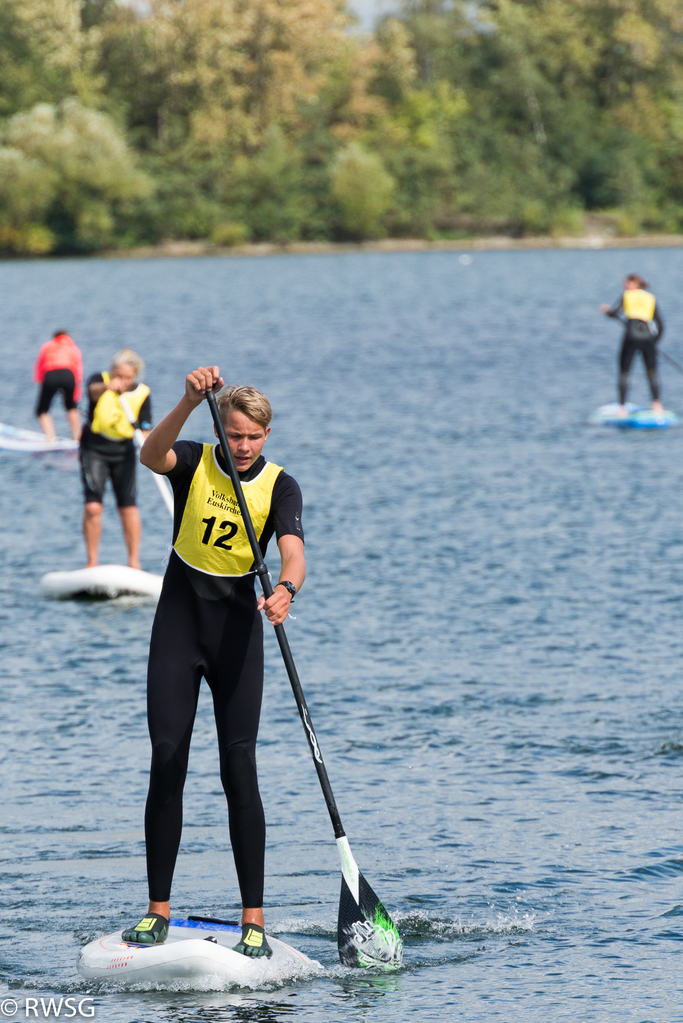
253	942
152	930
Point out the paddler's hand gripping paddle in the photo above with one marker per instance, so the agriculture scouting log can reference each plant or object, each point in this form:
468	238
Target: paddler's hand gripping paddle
366	934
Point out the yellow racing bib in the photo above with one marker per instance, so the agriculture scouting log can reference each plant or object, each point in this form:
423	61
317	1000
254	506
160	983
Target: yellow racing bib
212	537
639	304
109	418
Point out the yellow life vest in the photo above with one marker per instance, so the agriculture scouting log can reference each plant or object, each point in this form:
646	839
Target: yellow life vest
212	537
109	418
639	304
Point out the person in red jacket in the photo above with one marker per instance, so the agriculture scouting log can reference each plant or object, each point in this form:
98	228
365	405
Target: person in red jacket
59	367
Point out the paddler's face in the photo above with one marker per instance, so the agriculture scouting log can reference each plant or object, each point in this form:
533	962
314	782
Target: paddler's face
125	373
246	439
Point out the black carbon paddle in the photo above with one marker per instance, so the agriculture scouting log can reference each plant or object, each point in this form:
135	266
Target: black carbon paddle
366	934
670	360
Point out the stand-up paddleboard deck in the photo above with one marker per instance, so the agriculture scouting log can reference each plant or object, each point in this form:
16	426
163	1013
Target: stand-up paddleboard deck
197	953
637	417
14	439
104	581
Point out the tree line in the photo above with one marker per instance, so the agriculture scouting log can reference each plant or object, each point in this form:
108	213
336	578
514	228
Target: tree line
125	122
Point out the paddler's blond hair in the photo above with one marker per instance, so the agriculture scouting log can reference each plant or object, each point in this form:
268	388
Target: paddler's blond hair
130	357
248	401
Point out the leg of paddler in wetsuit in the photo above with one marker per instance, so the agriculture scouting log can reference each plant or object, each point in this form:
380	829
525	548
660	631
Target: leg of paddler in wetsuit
649	350
628	350
208	624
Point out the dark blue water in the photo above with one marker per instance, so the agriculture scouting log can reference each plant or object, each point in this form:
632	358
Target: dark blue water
489	638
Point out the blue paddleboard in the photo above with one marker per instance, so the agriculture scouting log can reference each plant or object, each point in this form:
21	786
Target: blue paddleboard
637	417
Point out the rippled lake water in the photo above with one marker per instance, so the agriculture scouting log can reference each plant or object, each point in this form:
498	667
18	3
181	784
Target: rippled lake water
489	638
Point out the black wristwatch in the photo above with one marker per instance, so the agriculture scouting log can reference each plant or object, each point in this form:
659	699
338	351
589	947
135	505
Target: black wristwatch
290	587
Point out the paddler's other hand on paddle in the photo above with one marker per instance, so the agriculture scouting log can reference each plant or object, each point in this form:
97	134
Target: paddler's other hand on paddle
277	606
604	308
201	380
293	571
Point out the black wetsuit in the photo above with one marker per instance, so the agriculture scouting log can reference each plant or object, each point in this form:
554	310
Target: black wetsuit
209	626
104	458
638	337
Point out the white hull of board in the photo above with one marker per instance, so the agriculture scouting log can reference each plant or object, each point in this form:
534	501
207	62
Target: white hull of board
194	956
103	581
31	442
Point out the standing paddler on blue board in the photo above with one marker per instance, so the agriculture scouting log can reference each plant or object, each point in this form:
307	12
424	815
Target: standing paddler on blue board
208	624
638	309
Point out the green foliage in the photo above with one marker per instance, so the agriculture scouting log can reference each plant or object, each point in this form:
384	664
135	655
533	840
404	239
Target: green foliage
266	192
44	54
571	103
26	190
72	166
125	123
363	189
229	233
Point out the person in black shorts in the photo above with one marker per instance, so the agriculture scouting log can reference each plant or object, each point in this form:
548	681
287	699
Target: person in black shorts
108	450
638	309
59	367
208	624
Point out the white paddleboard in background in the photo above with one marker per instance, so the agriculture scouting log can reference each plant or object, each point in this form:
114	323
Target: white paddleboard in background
102	581
198	954
637	417
14	439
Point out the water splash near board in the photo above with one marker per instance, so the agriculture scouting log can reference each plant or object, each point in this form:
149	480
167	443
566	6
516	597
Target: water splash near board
637	417
197	955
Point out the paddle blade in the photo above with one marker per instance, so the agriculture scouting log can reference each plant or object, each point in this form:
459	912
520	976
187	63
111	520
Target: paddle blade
366	934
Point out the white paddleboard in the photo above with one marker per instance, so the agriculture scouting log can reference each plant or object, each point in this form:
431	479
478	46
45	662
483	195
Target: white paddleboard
14	439
197	954
102	581
637	417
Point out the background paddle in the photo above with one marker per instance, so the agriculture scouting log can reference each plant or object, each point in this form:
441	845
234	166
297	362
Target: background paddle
162	483
669	359
366	934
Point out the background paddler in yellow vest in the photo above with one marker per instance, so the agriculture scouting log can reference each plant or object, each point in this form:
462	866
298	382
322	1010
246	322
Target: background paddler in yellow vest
208	624
108	450
638	309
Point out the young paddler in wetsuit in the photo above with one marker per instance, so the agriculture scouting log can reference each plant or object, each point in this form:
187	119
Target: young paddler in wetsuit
644	328
208	623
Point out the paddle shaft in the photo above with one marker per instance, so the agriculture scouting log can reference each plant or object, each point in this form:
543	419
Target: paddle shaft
161	481
669	359
267	587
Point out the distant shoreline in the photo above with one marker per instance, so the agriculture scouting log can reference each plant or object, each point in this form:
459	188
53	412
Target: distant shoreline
492	243
495	243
